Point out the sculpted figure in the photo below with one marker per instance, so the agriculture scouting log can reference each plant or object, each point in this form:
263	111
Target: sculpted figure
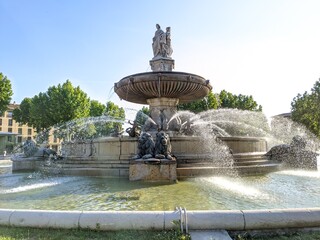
145	146
133	131
162	42
167	47
29	148
163	146
294	155
159	40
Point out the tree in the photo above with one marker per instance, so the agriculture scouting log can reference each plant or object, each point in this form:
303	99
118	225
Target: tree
22	114
5	93
206	103
305	109
142	116
96	108
241	102
116	116
222	100
59	104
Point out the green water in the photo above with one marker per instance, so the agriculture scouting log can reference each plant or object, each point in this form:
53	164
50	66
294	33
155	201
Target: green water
286	189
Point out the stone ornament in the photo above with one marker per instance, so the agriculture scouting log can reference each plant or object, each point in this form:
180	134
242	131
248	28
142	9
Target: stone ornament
161	44
294	155
147	149
145	146
163	146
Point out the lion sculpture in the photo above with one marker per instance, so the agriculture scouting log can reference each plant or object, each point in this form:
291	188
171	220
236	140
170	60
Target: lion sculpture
145	146
163	146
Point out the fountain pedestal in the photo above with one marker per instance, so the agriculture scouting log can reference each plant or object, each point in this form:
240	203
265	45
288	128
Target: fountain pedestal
162	64
162	110
153	169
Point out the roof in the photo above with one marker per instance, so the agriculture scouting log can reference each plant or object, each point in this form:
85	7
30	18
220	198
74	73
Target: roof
7	134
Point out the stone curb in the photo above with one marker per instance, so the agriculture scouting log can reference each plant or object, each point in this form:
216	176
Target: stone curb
163	220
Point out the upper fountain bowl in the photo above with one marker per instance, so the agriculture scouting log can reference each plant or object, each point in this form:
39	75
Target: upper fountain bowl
184	86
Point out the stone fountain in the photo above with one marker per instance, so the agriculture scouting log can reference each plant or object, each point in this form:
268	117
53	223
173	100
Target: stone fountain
163	89
172	145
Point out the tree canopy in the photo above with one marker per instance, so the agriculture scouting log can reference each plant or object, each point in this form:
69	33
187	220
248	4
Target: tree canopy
5	93
208	102
96	108
59	104
222	100
241	102
305	109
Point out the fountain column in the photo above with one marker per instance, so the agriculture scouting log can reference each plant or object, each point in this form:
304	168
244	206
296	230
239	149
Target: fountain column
162	110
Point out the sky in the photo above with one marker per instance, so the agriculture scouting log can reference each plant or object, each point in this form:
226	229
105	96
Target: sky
269	49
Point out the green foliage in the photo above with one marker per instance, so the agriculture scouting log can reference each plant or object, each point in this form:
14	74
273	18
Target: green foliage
206	103
5	93
241	102
305	109
96	108
59	104
222	100
142	116
22	114
117	115
11	233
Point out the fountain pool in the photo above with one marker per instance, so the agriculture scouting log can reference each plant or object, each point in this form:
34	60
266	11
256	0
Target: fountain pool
283	189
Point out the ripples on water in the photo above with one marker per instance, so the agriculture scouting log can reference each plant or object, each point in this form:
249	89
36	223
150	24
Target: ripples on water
284	189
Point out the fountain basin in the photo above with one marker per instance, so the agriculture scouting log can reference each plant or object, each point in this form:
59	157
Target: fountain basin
111	157
186	87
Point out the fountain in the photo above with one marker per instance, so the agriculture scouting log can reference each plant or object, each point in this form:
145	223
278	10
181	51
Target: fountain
163	90
203	145
214	142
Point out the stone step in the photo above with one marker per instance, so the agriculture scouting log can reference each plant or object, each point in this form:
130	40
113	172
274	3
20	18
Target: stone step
185	172
209	235
96	172
95	165
258	170
91	162
248	156
253	162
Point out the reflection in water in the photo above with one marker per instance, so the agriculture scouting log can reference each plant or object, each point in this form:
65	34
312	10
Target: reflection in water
285	189
233	185
302	173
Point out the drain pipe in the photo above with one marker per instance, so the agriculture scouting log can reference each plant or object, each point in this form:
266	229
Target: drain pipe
164	220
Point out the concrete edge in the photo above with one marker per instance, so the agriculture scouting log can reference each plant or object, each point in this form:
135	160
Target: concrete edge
232	220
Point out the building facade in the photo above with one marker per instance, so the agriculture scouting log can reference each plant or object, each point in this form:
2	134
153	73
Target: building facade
13	133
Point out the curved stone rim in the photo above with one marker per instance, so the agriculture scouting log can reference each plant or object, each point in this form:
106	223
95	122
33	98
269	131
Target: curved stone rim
187	87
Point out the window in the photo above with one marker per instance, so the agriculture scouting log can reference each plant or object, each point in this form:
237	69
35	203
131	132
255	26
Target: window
29	131
9	129
0	129
0	121
19	130
9	114
29	138
10	122
9	138
19	139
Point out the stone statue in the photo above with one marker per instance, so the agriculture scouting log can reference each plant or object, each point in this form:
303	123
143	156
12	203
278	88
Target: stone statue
135	130
145	146
163	146
294	155
162	43
167	47
29	148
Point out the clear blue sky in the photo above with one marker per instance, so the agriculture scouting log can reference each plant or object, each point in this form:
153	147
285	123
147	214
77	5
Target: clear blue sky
266	48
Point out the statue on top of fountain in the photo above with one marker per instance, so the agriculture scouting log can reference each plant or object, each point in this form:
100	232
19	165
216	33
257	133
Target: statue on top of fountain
162	50
162	43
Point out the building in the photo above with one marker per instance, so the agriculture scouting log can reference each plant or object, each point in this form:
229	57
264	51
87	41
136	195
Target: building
13	133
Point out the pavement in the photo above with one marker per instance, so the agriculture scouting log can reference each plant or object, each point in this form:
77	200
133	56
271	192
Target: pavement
210	235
